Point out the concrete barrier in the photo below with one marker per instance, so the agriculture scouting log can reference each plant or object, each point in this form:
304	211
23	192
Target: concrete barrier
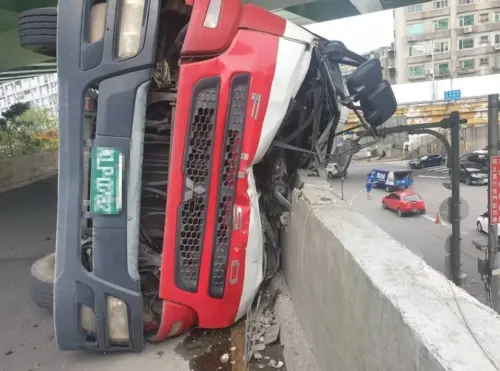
19	171
365	302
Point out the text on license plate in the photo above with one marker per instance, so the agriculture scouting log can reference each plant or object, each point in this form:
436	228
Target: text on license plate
106	181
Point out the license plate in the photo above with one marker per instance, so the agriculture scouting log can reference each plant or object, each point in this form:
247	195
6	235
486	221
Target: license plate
106	181
414	210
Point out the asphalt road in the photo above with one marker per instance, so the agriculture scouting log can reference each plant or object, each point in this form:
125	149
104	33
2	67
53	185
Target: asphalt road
420	234
27	342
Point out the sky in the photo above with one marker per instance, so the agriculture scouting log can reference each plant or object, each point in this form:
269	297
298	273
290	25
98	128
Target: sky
353	31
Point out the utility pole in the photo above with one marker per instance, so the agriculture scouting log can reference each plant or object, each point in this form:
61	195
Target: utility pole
493	228
454	125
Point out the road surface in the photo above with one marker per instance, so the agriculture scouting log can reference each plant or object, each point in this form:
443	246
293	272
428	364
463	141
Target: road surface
27	343
420	234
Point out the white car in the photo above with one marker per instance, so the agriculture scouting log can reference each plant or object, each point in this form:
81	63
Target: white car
333	169
482	223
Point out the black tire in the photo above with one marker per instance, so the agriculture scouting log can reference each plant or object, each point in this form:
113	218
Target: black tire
42	281
384	206
329	175
468	180
388	189
38	30
400	213
479	227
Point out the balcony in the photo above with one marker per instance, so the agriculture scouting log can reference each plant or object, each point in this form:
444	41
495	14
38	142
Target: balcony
472	8
427	36
433	13
478	50
467	71
420	59
482	27
441	56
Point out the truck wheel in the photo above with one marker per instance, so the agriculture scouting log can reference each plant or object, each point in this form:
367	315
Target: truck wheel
42	281
387	189
38	30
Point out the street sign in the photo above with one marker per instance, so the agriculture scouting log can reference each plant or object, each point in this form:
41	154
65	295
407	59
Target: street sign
494	184
452	94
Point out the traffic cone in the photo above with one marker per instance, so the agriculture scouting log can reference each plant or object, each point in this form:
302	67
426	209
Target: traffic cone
438	219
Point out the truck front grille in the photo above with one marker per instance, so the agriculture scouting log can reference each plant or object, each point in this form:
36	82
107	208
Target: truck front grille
228	177
196	168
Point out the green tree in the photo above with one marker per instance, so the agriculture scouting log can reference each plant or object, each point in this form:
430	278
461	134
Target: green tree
22	128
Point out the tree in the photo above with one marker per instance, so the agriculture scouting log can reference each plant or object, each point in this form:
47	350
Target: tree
24	129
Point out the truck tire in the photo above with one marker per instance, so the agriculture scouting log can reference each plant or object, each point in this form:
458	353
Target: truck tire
42	281
38	30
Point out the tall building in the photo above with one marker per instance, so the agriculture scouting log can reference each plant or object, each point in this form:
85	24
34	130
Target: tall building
447	39
387	58
40	90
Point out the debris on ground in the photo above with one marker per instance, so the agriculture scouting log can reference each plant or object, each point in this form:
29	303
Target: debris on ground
224	358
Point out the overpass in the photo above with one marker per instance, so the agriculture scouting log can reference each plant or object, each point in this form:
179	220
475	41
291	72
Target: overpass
19	63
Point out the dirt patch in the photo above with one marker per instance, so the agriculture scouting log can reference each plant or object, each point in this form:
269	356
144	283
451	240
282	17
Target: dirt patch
224	350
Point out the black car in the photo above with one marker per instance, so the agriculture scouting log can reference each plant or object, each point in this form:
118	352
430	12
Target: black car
479	157
473	173
426	161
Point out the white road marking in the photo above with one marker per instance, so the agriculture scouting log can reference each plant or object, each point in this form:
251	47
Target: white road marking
443	223
354	197
433	177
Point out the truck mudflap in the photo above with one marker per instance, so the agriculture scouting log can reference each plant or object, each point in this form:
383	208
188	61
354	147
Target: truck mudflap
101	308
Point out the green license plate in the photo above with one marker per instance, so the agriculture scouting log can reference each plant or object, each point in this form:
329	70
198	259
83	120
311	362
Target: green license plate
106	181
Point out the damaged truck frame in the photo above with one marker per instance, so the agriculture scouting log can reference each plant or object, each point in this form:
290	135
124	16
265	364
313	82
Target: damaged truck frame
182	126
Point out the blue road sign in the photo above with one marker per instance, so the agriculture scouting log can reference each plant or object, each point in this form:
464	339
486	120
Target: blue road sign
452	94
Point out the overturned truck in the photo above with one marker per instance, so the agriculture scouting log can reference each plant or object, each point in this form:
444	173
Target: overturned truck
182	127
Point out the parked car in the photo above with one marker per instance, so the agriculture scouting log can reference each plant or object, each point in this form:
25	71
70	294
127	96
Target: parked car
391	180
482	223
404	202
333	170
480	157
473	173
426	161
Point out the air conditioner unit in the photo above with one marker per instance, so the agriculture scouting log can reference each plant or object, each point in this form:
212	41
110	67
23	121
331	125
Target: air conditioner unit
411	38
429	71
497	46
429	52
467	29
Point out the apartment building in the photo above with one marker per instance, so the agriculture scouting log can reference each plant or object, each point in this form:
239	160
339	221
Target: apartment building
40	90
387	58
447	39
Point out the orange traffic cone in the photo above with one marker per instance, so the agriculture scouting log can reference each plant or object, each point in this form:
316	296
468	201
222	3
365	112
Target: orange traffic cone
438	219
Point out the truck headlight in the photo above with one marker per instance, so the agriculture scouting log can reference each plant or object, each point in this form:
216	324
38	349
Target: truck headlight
118	329
130	27
117	320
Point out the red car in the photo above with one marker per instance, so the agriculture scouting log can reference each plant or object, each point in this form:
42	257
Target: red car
404	202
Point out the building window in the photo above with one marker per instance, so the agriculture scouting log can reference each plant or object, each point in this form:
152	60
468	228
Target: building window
466	20
497	38
485	39
497	16
442	69
484	17
440	24
466	43
465	2
415	28
440	4
466	64
441	46
484	61
416	71
416	50
417	8
497	61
